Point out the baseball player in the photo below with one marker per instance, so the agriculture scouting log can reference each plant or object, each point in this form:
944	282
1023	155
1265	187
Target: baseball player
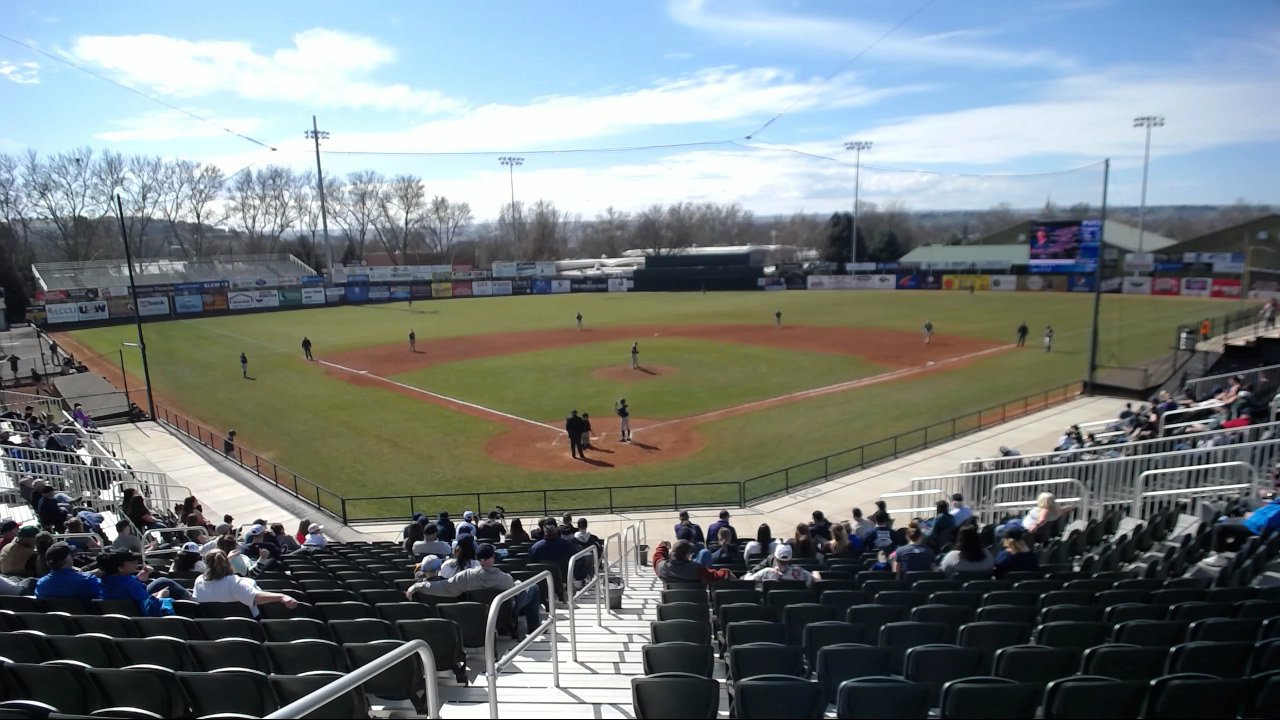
624	417
306	347
586	431
1048	338
1022	334
635	356
579	321
777	318
244	366
928	331
413	341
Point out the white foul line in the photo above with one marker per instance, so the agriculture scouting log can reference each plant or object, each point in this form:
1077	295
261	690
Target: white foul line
446	398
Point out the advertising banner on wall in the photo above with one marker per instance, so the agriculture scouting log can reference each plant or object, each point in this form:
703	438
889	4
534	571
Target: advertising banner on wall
501	287
441	290
964	282
334	294
860	267
1197	287
61	313
92	310
1043	283
1003	283
215	300
240	300
828	282
267	298
544	269
1165	286
588	285
357	293
399	292
1082	283
152	306
928	280
1139	262
186	304
420	292
1136	286
540	286
618	285
1232	266
51	296
481	288
504	269
462	288
561	286
290	296
120	306
312	296
1221	288
1111	285
379	292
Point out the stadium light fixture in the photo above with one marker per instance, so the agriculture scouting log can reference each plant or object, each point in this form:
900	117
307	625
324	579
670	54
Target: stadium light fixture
1148	122
857	146
511	161
315	134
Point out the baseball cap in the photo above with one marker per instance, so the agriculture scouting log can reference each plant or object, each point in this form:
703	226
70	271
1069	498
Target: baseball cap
485	552
257	529
28	531
430	563
782	552
468	515
314	528
110	562
190	548
57	554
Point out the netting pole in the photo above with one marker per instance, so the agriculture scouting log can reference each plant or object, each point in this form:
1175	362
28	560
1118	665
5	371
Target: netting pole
1097	278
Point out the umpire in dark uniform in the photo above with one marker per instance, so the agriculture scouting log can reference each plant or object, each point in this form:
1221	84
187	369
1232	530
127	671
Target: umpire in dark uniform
574	426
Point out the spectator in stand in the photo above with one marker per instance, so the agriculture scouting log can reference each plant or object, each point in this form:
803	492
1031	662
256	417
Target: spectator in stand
959	511
240	561
417	519
714	530
583	537
82	418
943	528
76	526
187	561
802	543
1046	510
782	569
52	514
15	555
1015	555
141	517
445	528
125	539
413	535
284	540
125	578
430	543
463	557
191	506
698	537
567	527
843	543
257	541
219	583
468	524
8	531
483	576
63	580
762	546
883	538
36	566
915	555
517	534
725	553
491	528
820	528
1229	532
301	535
552	548
861	525
676	564
969	555
315	537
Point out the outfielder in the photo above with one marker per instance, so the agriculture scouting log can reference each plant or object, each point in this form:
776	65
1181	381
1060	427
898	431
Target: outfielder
624	417
1048	338
777	318
244	366
928	331
413	341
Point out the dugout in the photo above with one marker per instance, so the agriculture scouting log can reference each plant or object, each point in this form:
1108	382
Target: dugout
699	270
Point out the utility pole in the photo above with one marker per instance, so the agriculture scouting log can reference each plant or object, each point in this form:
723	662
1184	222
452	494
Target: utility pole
137	316
316	134
857	146
1097	280
511	162
1148	122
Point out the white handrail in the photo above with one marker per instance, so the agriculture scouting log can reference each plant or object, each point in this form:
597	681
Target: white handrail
492	664
1164	418
594	553
315	700
620	559
913	494
1244	470
1249	376
1083	493
160	531
633	531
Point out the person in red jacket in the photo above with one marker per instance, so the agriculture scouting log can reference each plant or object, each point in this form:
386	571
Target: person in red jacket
676	564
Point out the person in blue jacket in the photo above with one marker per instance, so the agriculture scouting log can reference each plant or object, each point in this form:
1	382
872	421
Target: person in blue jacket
124	578
1230	532
63	580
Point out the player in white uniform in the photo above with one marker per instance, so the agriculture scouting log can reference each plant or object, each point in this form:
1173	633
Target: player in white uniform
928	331
1048	338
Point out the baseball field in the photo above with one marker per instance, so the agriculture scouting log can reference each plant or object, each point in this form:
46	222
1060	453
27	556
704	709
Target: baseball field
722	393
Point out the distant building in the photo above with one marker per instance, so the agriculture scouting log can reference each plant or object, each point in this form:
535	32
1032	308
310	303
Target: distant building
1263	251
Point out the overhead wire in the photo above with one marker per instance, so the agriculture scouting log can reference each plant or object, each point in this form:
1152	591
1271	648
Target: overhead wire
554	151
887	168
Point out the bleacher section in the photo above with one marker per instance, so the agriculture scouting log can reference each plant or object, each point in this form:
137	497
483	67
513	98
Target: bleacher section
115	273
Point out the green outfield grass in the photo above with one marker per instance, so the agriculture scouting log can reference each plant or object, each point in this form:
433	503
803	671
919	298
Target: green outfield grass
373	441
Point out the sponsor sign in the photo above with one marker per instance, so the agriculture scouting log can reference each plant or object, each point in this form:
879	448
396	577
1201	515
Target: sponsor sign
618	285
544	269
481	288
441	290
468	274
541	286
399	292
119	307
152	306
1234	266
501	287
379	292
51	296
961	265
1003	283
267	298
1043	283
1221	288
827	282
461	288
312	296
82	294
358	278
1111	285
1139	262
1197	287
357	293
61	313
290	296
561	286
1082	283
214	300
312	279
860	267
1136	286
334	294
520	286
928	280
36	315
1168	266
113	292
588	285
420	292
504	269
185	303
92	310
964	282
1165	286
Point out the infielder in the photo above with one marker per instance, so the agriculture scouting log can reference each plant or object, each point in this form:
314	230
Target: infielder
928	331
579	321
624	417
635	356
306	347
1048	338
777	318
413	341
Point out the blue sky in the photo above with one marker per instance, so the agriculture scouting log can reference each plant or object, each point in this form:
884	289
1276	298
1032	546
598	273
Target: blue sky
991	89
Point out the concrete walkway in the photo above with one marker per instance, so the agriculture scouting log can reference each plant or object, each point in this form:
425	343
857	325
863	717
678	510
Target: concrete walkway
1035	433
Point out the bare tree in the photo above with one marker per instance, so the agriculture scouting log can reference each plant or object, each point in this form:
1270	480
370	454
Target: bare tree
546	238
67	198
402	208
509	232
445	221
15	209
722	224
190	203
139	181
266	205
356	209
608	235
802	230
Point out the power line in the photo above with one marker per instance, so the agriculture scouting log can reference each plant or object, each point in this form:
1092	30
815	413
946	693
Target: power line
558	151
135	91
843	67
918	171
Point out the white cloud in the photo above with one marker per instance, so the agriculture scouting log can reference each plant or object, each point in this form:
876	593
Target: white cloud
323	67
844	37
174	125
23	73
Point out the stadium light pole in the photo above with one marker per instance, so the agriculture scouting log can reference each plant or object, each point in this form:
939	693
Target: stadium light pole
316	134
857	146
1148	122
137	316
1097	279
511	162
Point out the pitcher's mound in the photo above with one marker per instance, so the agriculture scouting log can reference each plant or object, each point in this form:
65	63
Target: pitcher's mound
625	373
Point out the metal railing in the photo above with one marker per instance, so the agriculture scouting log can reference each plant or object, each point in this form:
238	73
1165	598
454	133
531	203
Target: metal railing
492	663
1154	486
159	532
1165	424
1200	387
616	563
928	492
998	506
1110	481
598	571
44	404
350	681
627	549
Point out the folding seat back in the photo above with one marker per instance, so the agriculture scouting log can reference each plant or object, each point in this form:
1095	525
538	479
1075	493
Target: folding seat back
882	697
770	697
752	659
682	657
988	697
1191	696
838	663
934	665
159	651
1035	664
678	631
304	656
831	632
1084	697
290	689
670	696
229	653
153	690
243	692
1125	662
296	629
1223	659
750	631
96	651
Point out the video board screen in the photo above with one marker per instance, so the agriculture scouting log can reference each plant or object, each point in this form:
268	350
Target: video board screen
1064	246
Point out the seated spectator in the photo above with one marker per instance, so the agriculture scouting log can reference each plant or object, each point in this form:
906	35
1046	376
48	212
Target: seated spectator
76	526
698	538
430	543
672	564
1046	510
959	511
713	531
197	533
315	537
187	561
124	578
861	525
193	510
468	522
16	555
428	567
491	528
843	544
517	534
82	417
762	546
1229	532
725	553
915	555
463	558
782	569
484	576
552	548
301	535
883	538
466	533
52	513
584	538
883	562
802	544
943	528
219	583
969	555
284	541
820	527
412	535
63	580
445	528
241	562
8	531
141	517
567	527
36	566
125	539
1015	555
